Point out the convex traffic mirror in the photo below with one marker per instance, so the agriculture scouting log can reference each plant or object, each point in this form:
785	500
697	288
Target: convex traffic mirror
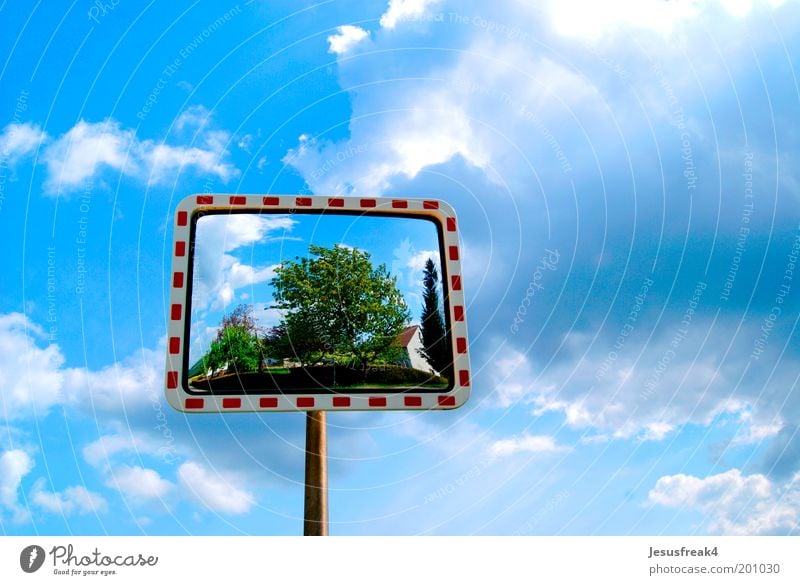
286	303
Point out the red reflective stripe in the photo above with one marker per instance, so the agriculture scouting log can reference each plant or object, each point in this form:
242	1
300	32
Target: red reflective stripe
172	380
377	401
463	377
458	313
430	205
447	400
456	282
305	402
412	400
271	201
175	313
453	252
183	218
174	344
303	202
180	248
205	199
268	402
237	200
461	345
192	403
368	203
177	280
451	224
400	204
231	403
335	202
341	401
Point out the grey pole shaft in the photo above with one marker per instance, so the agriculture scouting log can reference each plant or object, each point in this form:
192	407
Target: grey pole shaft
316	498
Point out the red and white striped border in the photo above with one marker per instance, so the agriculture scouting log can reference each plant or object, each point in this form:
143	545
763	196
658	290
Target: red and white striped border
439	211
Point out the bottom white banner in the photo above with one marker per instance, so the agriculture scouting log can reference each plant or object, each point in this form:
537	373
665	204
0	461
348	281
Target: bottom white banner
389	560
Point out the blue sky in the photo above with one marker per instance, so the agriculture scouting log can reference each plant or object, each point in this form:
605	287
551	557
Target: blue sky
628	197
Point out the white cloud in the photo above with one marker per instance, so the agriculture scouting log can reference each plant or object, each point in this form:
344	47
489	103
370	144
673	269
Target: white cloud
73	499
734	503
34	378
81	153
246	143
754	432
656	431
164	162
513	376
31	375
193	118
526	443
418	260
99	453
587	20
243	275
347	37
646	396
215	491
139	483
15	464
486	103
19	140
127	385
407	145
505	106
400	10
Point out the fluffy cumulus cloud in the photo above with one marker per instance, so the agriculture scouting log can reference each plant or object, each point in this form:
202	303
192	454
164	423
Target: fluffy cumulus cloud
405	10
128	385
32	375
346	37
359	169
15	464
594	21
75	499
88	148
35	377
672	380
139	484
18	140
99	453
216	491
733	503
525	444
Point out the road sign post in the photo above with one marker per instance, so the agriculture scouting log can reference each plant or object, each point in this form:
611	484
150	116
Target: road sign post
316	493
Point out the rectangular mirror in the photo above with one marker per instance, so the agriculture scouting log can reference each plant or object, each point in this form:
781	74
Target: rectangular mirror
291	303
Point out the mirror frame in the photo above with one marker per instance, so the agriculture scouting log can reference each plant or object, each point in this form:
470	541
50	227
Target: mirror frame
178	394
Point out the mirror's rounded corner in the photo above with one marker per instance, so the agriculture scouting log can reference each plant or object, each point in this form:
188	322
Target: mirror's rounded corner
445	208
175	398
188	203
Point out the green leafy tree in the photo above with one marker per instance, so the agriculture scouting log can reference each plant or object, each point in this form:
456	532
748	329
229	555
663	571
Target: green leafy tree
295	341
237	345
337	303
434	342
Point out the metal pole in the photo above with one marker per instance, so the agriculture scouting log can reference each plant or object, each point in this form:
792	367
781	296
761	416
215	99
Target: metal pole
316	499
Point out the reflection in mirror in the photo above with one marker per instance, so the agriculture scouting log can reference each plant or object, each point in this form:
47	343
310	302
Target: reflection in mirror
298	303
